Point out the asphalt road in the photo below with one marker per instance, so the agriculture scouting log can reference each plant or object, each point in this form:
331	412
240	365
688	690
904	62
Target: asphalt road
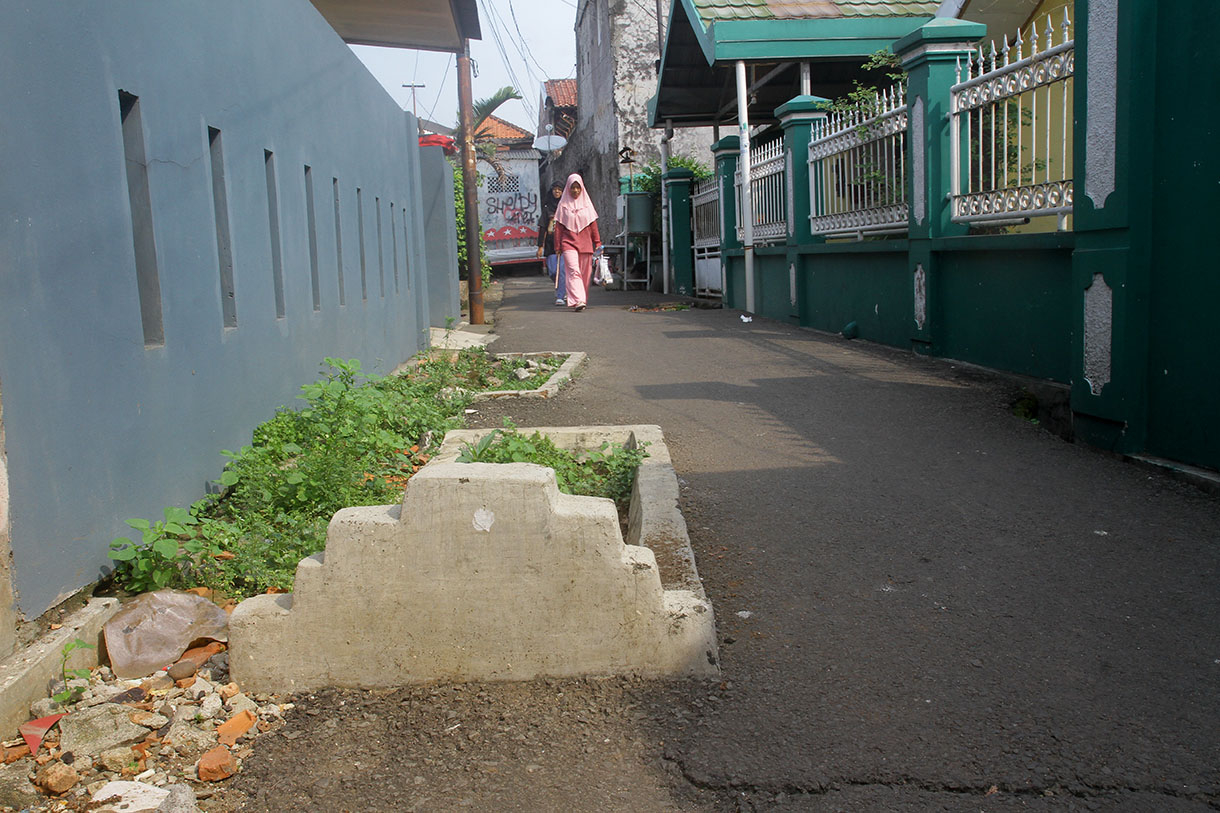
923	601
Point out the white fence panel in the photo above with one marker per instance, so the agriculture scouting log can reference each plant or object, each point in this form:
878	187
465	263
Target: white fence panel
858	172
768	193
1012	131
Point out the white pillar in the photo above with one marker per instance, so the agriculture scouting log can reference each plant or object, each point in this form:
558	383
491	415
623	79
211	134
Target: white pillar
664	202
747	204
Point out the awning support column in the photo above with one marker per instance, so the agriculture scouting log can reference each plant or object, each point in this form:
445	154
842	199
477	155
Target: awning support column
747	204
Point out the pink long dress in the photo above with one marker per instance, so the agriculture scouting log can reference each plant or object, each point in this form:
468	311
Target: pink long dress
577	250
576	238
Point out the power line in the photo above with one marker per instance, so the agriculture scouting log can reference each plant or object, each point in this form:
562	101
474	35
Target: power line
495	13
440	90
512	11
492	17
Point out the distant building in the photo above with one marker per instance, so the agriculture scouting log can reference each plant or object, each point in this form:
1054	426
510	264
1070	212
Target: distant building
508	194
617	53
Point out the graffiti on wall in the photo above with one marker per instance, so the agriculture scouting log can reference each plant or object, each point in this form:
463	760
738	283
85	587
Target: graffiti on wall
511	209
509	203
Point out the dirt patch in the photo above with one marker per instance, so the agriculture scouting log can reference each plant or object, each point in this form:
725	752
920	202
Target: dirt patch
588	744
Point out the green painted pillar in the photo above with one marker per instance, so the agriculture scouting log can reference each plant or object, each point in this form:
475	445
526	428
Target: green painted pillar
800	118
681	239
726	154
1113	168
930	55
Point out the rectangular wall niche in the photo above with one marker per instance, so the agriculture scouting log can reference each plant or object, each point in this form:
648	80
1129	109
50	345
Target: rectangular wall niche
338	242
311	223
273	221
224	245
148	281
364	275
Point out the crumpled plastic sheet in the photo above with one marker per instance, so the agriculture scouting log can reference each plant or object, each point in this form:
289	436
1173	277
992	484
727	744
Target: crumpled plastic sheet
153	631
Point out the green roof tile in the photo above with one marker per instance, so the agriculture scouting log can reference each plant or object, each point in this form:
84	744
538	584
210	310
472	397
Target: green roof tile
712	10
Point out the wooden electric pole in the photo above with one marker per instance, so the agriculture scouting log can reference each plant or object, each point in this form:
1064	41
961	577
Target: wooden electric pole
474	260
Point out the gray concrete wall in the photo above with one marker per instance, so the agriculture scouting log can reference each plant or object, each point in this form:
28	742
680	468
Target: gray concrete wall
8	612
141	329
616	47
440	230
593	148
635	83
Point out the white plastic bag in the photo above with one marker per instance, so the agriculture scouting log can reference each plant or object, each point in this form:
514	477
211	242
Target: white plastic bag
602	271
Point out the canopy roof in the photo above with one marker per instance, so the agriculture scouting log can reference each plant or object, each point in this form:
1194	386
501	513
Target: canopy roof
430	25
705	38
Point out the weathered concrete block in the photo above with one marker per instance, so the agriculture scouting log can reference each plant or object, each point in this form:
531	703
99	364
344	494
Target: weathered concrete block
485	572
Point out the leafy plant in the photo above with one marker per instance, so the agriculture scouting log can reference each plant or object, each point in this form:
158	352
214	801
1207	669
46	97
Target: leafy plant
459	203
478	452
607	471
155	561
356	440
70	694
649	180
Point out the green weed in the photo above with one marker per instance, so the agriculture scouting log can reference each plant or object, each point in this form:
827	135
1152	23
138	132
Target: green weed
607	471
70	695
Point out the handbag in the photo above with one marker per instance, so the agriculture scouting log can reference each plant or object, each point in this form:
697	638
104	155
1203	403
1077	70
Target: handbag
603	270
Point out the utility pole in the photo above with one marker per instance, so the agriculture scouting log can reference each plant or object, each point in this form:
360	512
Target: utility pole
474	261
414	112
660	31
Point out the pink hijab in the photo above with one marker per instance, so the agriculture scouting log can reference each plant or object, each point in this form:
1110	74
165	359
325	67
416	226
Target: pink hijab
575	213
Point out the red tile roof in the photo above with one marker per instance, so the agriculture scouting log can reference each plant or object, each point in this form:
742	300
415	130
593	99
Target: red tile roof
561	91
498	128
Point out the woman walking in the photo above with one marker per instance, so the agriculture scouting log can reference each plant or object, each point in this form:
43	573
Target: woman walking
546	242
577	240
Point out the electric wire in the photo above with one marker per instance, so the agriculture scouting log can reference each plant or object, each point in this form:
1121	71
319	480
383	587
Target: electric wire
500	34
492	18
440	90
513	12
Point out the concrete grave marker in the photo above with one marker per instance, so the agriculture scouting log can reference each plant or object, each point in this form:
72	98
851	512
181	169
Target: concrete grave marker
486	572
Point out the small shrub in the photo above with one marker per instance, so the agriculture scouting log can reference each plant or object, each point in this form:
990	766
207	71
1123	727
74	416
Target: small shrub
356	441
607	471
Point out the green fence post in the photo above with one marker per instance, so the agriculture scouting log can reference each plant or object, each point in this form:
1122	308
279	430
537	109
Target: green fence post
930	55
801	118
726	153
1113	164
681	240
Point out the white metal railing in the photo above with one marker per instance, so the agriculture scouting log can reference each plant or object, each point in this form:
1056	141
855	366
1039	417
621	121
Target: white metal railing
858	172
705	212
768	192
706	216
1012	135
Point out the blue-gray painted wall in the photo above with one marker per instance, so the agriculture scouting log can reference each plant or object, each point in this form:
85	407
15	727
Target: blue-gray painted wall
100	427
444	295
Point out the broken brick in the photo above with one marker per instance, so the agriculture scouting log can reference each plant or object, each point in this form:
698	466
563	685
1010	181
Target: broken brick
229	731
216	765
56	777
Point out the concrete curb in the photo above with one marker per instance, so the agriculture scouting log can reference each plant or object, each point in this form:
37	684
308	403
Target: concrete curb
26	674
552	385
488	572
458	339
656	522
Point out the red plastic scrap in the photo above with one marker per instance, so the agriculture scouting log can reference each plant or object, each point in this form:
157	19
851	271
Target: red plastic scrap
33	731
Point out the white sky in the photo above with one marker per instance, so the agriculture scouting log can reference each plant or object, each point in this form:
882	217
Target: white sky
539	44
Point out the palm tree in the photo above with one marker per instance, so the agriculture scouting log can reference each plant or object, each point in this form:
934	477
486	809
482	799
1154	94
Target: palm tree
481	111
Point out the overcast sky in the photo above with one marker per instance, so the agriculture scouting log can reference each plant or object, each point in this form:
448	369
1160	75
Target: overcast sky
524	42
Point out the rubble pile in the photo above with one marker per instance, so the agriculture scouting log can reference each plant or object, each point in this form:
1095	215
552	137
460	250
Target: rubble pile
136	745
